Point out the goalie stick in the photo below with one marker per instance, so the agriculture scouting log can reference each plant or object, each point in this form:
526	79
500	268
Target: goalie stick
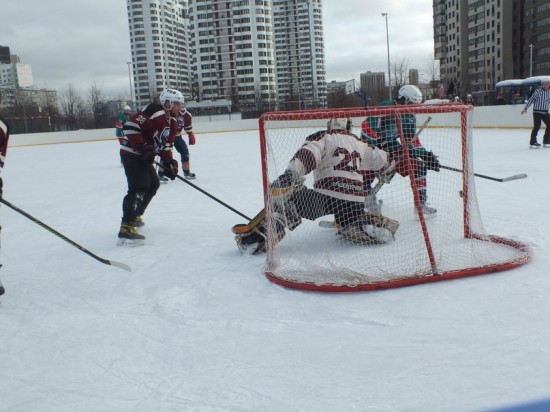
495	179
65	238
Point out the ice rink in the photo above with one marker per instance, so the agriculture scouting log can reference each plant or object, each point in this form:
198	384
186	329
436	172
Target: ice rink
197	327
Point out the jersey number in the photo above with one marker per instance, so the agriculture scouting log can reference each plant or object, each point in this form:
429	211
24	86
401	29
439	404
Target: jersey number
350	162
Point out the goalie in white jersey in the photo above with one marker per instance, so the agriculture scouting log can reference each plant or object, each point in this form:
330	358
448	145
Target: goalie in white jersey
341	163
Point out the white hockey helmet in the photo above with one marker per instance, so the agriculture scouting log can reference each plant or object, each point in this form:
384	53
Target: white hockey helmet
545	80
339	124
172	96
127	108
409	94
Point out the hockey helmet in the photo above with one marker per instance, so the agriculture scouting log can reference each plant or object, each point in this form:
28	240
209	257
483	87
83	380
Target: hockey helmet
127	108
409	94
545	80
339	124
172	96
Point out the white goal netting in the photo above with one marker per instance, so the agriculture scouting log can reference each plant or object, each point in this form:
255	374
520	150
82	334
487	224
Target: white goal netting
426	246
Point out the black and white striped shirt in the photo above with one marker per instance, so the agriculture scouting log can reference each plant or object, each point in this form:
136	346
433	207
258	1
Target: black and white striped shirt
540	99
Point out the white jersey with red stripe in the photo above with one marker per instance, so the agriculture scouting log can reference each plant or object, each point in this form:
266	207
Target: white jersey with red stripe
340	161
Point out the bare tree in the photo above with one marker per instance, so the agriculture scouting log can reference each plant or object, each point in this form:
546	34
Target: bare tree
400	73
71	105
96	104
432	69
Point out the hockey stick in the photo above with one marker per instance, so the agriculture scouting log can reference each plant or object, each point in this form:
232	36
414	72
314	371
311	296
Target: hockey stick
65	238
208	194
496	179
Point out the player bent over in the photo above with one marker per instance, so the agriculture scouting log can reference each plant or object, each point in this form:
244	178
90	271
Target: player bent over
382	132
340	161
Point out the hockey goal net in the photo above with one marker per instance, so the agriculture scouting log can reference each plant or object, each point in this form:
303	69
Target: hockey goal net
449	244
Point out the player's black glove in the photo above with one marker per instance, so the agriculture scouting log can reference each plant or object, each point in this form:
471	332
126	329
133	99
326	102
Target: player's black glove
170	168
431	162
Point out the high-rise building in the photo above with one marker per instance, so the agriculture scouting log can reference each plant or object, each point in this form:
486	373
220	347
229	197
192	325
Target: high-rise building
158	41
299	51
374	84
474	42
232	52
413	77
226	50
5	55
534	38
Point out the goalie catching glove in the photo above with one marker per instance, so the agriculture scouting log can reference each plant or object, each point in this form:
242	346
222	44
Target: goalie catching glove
170	168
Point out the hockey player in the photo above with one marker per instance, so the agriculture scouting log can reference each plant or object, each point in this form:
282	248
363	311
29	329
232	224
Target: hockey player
148	133
339	161
185	123
120	121
382	132
4	135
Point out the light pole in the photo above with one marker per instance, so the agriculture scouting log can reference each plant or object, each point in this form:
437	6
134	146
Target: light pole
388	45
130	79
531	47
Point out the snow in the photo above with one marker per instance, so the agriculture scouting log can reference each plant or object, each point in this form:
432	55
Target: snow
197	327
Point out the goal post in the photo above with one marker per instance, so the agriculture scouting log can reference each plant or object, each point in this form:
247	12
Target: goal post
449	244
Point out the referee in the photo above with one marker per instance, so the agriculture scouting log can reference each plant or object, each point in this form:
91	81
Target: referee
540	99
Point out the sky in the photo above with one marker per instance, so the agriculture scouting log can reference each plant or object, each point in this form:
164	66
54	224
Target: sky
87	43
196	326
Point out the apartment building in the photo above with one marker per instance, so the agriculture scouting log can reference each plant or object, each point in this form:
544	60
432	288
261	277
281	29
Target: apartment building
232	52
159	46
299	51
474	43
259	54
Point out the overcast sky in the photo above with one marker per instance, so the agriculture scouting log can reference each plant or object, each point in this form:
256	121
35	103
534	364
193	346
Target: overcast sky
84	43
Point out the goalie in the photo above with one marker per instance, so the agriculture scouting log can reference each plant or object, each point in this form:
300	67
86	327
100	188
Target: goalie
341	163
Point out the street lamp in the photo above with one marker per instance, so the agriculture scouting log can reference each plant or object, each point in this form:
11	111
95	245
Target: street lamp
531	47
388	44
130	79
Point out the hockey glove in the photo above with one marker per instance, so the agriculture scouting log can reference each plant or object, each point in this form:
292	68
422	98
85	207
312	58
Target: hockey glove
387	172
285	180
283	185
192	139
431	162
170	168
147	153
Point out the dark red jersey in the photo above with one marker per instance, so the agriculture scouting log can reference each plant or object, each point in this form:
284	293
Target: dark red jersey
4	134
185	122
150	126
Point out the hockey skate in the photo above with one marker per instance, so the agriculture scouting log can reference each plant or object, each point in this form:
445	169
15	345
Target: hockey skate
129	236
138	222
534	145
188	175
546	145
